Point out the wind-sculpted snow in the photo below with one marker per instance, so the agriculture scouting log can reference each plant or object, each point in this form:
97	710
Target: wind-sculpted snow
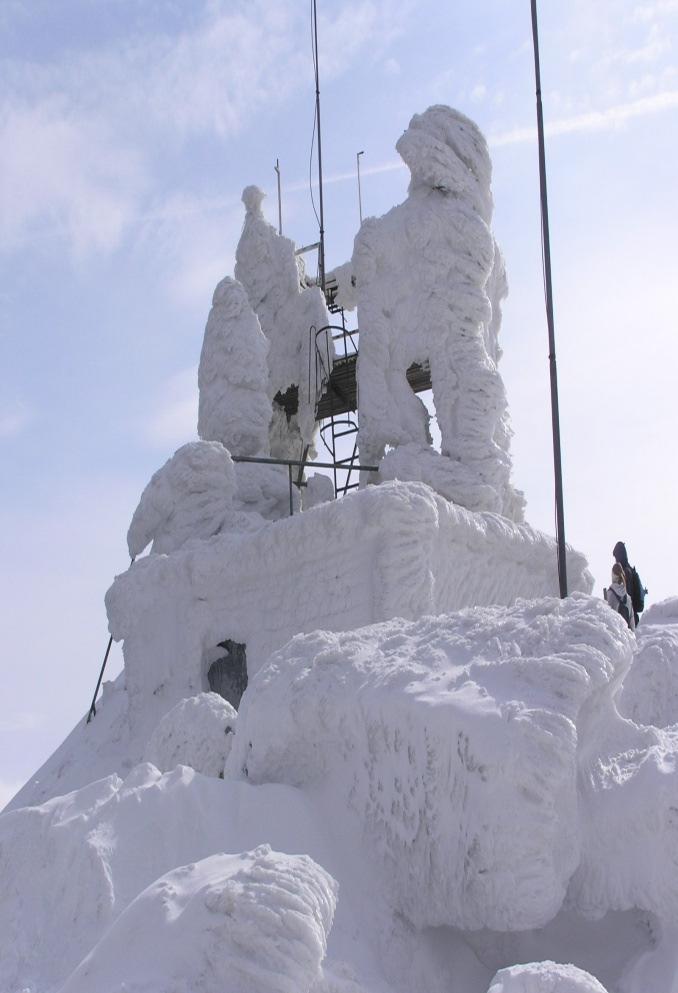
287	309
70	867
650	691
251	923
429	284
197	732
191	496
544	977
483	758
233	375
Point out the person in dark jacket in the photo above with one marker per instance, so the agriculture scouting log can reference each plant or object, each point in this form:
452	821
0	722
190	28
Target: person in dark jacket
633	583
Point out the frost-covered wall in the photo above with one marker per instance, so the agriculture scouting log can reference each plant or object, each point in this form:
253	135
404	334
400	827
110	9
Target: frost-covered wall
429	285
286	308
397	550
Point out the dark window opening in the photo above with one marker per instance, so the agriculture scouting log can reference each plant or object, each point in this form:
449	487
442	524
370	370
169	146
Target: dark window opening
227	676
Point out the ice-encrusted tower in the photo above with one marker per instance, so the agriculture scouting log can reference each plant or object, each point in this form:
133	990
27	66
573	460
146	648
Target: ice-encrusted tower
273	277
429	280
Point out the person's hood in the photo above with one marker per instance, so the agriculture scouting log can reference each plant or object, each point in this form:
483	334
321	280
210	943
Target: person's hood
619	552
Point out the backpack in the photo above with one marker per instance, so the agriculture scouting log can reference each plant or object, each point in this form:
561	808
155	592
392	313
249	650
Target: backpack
637	592
622	606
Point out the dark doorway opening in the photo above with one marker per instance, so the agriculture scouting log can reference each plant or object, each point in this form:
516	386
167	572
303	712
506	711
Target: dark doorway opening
227	676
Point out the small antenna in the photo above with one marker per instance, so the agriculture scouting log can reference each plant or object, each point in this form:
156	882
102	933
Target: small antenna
360	199
277	169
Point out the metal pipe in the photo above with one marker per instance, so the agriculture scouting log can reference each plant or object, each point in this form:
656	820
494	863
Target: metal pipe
360	199
546	246
277	169
289	470
297	462
321	251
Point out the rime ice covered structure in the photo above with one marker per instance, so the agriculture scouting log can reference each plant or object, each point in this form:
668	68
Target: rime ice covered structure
429	281
431	775
287	309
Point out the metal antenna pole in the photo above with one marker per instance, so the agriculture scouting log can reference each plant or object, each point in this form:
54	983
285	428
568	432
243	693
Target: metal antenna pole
546	248
277	169
321	249
360	199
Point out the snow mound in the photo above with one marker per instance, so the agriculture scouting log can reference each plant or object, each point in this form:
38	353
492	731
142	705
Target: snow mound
189	497
264	489
452	742
197	732
650	691
452	480
71	866
251	923
234	406
544	977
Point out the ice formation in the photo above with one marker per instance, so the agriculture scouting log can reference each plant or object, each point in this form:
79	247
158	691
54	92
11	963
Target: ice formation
544	977
198	732
482	756
429	283
650	692
287	309
234	406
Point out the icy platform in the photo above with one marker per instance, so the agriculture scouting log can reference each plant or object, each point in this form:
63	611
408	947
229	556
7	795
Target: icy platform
396	550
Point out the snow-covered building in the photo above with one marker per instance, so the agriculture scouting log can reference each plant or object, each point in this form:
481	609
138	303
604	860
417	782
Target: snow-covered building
359	745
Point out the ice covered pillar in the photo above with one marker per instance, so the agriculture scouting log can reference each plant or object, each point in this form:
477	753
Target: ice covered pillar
287	309
429	281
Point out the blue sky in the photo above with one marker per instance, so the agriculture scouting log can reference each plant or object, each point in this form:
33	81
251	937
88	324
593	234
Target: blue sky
128	129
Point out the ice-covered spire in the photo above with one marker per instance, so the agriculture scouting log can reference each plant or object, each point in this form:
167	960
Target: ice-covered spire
233	375
429	282
287	308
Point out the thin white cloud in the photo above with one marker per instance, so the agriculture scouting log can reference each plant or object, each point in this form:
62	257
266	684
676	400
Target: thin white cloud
594	120
79	134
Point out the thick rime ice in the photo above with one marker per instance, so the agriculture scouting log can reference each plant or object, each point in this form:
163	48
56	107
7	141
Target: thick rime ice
287	309
191	496
482	758
396	550
545	977
264	490
429	283
650	691
233	375
319	489
197	732
251	923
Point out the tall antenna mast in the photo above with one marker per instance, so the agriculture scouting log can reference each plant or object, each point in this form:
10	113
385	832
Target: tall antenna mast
277	169
546	248
321	248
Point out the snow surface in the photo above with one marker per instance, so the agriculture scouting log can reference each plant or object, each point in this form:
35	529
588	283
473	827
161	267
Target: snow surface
544	977
650	693
483	757
429	283
198	732
250	923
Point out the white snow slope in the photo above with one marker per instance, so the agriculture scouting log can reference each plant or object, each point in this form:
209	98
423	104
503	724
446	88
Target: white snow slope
465	779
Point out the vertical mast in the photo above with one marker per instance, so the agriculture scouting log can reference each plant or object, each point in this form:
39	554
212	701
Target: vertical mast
321	250
546	248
